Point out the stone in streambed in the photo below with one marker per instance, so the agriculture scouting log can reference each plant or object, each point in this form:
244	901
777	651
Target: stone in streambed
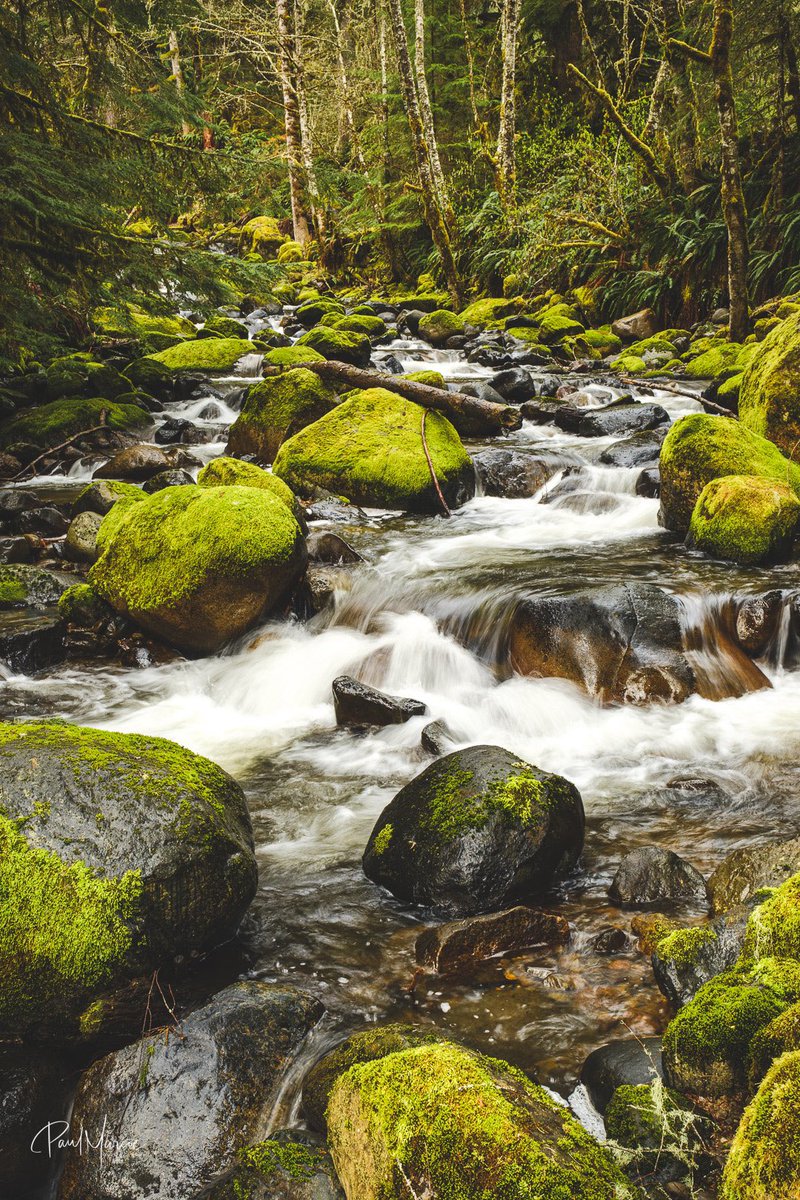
515	385
745	519
275	409
516	474
648	483
357	704
225	471
323	581
369	449
685	959
173	477
638	450
745	872
198	566
291	1164
437	737
475	831
134	462
339	345
757	622
651	875
101	496
327	547
629	1062
80	544
448	1122
181	1106
26	586
621	643
31	642
51	424
458	944
208	355
612	420
118	852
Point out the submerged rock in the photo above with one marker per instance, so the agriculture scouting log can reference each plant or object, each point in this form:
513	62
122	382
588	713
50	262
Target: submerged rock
516	474
763	1163
475	831
358	704
638	450
626	1062
118	852
745	519
180	1106
458	944
651	875
275	409
369	449
198	566
447	1122
611	421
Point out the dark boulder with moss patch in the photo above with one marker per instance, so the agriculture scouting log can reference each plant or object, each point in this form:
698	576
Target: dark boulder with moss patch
370	450
476	831
51	424
685	959
198	566
291	1164
442	1121
118	852
182	1106
275	410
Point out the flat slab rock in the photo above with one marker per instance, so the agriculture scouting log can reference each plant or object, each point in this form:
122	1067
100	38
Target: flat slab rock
358	704
456	944
611	420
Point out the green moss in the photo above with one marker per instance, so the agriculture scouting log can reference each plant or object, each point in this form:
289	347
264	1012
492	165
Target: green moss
130	321
275	410
630	364
52	424
483	313
769	398
782	1034
555	326
745	519
728	390
464	1127
633	1118
381	843
699	448
205	354
224	471
370	450
291	252
454	807
81	605
312	311
112	489
77	374
262	235
715	363
682	946
293	1158
438	326
372	326
12	593
773	928
24	584
431	378
603	341
338	344
225	327
659	343
764	1159
292	356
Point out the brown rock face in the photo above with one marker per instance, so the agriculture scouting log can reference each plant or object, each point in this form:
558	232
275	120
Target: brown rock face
641	324
134	462
455	945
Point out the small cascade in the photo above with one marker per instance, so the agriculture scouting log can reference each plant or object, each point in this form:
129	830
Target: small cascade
735	643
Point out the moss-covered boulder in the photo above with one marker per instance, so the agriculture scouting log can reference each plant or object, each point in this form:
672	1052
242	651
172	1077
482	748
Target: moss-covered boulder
441	1121
745	519
657	1127
338	345
130	322
80	605
52	424
745	872
225	327
25	586
718	362
262	235
764	1159
706	1046
198	566
431	378
372	326
476	831
602	340
773	929
216	356
224	471
101	496
116	853
369	449
291	252
769	398
292	356
291	1164
437	327
699	448
483	313
276	409
313	311
555	326
80	375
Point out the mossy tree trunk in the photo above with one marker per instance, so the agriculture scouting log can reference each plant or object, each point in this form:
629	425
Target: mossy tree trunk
177	74
426	113
315	202
506	156
294	155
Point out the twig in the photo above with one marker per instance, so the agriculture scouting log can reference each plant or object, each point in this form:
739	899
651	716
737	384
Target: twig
55	449
442	500
708	405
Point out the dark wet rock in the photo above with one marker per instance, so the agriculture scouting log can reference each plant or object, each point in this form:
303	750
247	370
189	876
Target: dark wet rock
687	958
612	420
292	1164
357	704
476	831
437	738
456	945
610	940
409	320
81	541
14	503
176	429
165	833
173	477
134	462
757	621
31	642
325	506
665	1138
180	1106
47	521
637	326
26	586
324	581
626	1061
482	391
516	474
10	466
515	385
33	1092
365	1046
648	483
23	549
638	450
743	873
698	789
541	412
652	875
620	643
326	547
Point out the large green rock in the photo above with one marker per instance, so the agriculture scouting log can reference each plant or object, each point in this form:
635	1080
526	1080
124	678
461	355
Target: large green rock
769	397
52	424
745	519
699	448
153	332
555	326
198	566
224	471
764	1159
338	345
369	449
78	374
275	410
292	356
483	313
314	310
211	355
437	327
372	326
441	1121
117	852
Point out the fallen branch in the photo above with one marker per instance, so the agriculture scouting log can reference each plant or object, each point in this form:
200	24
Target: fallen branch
63	445
664	386
463	410
442	501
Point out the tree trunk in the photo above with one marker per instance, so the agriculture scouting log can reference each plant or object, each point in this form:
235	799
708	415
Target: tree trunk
177	75
426	112
294	153
435	217
686	137
733	203
317	213
506	155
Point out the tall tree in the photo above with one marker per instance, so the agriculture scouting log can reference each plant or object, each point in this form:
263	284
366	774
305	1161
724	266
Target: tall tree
506	136
301	224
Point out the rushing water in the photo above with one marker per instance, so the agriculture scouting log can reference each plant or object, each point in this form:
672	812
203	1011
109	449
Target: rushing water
424	617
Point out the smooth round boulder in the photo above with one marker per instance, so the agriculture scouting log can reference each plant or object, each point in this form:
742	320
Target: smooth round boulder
172	477
652	875
745	520
134	463
198	566
475	832
623	1062
100	497
338	345
275	409
117	852
80	544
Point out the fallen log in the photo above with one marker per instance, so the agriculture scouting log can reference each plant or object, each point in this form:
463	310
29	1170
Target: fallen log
470	415
664	386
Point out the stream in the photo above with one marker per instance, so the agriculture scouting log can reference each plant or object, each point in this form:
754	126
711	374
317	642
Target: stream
425	617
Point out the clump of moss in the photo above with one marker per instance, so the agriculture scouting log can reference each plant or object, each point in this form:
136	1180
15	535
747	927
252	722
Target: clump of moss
773	928
372	326
781	1035
293	1158
292	356
23	584
80	605
225	327
101	496
602	340
431	378
338	344
484	313
555	326
51	424
655	1128
682	946
438	326
764	1159
381	843
769	398
315	309
716	362
262	236
218	355
275	410
225	471
370	450
745	519
152	331
77	374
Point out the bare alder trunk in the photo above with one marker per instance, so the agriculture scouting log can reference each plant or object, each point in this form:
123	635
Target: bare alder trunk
687	135
426	111
177	75
733	203
306	153
506	155
294	153
435	217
